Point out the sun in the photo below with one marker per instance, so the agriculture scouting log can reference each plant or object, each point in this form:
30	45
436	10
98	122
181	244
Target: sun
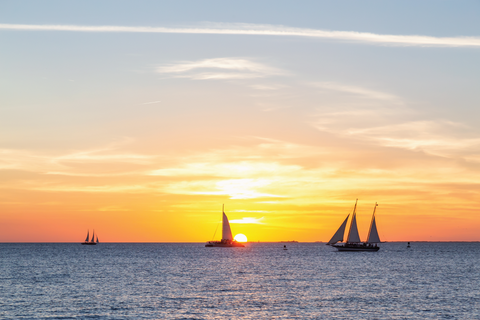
240	238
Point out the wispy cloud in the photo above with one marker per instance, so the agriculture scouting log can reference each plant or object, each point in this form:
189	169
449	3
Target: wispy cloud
91	189
386	120
356	90
218	69
229	169
234	188
444	138
151	102
112	208
266	87
248	221
63	164
267	30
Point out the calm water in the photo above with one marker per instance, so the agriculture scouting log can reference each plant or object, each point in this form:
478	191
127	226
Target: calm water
262	281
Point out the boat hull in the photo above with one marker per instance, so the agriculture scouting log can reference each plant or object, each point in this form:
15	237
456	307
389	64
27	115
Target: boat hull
221	244
356	248
89	243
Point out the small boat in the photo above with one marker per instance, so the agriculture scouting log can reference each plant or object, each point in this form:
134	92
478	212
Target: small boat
353	242
227	238
92	241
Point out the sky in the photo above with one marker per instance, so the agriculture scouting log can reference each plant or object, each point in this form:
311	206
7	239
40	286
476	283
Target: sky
140	119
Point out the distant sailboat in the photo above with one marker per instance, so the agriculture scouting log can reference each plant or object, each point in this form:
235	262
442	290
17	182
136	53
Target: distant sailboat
353	242
227	238
91	241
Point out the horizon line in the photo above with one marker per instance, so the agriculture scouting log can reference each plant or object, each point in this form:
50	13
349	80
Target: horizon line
202	242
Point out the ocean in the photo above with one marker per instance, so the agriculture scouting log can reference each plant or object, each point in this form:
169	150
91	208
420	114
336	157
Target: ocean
261	281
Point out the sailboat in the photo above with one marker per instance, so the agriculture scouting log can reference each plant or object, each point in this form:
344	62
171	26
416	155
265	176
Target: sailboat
91	241
353	242
227	238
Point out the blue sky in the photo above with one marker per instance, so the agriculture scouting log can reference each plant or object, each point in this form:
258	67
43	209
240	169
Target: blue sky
437	18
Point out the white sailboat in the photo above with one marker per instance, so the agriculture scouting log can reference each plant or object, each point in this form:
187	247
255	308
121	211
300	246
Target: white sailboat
91	241
353	242
227	238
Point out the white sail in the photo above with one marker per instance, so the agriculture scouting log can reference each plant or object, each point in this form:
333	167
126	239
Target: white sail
338	236
353	235
226	231
373	232
88	234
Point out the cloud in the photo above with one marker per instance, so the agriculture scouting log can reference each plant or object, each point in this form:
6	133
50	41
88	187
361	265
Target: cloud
268	30
90	189
208	69
358	113
396	125
65	164
440	137
248	221
267	87
234	188
356	90
226	169
352	108
151	102
112	208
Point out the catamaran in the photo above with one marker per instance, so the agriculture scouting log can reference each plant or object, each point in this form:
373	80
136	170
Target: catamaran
353	242
227	239
92	241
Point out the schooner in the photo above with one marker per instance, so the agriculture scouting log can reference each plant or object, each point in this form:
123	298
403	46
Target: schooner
91	241
353	242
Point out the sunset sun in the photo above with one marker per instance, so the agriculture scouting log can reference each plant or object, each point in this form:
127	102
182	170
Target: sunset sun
240	238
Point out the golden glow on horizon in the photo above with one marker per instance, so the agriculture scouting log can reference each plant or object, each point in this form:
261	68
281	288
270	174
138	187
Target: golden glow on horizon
240	238
312	199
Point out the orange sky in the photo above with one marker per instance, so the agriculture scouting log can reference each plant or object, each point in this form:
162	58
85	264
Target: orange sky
143	133
283	191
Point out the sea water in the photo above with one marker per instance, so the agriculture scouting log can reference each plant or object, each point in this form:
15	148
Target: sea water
260	281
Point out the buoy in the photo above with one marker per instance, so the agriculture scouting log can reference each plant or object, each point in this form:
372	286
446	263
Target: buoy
408	245
285	248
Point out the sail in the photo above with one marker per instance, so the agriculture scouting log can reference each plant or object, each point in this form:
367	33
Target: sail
373	234
226	231
353	235
97	239
88	234
93	236
338	236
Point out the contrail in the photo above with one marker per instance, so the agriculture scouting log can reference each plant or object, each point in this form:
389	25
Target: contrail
267	30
